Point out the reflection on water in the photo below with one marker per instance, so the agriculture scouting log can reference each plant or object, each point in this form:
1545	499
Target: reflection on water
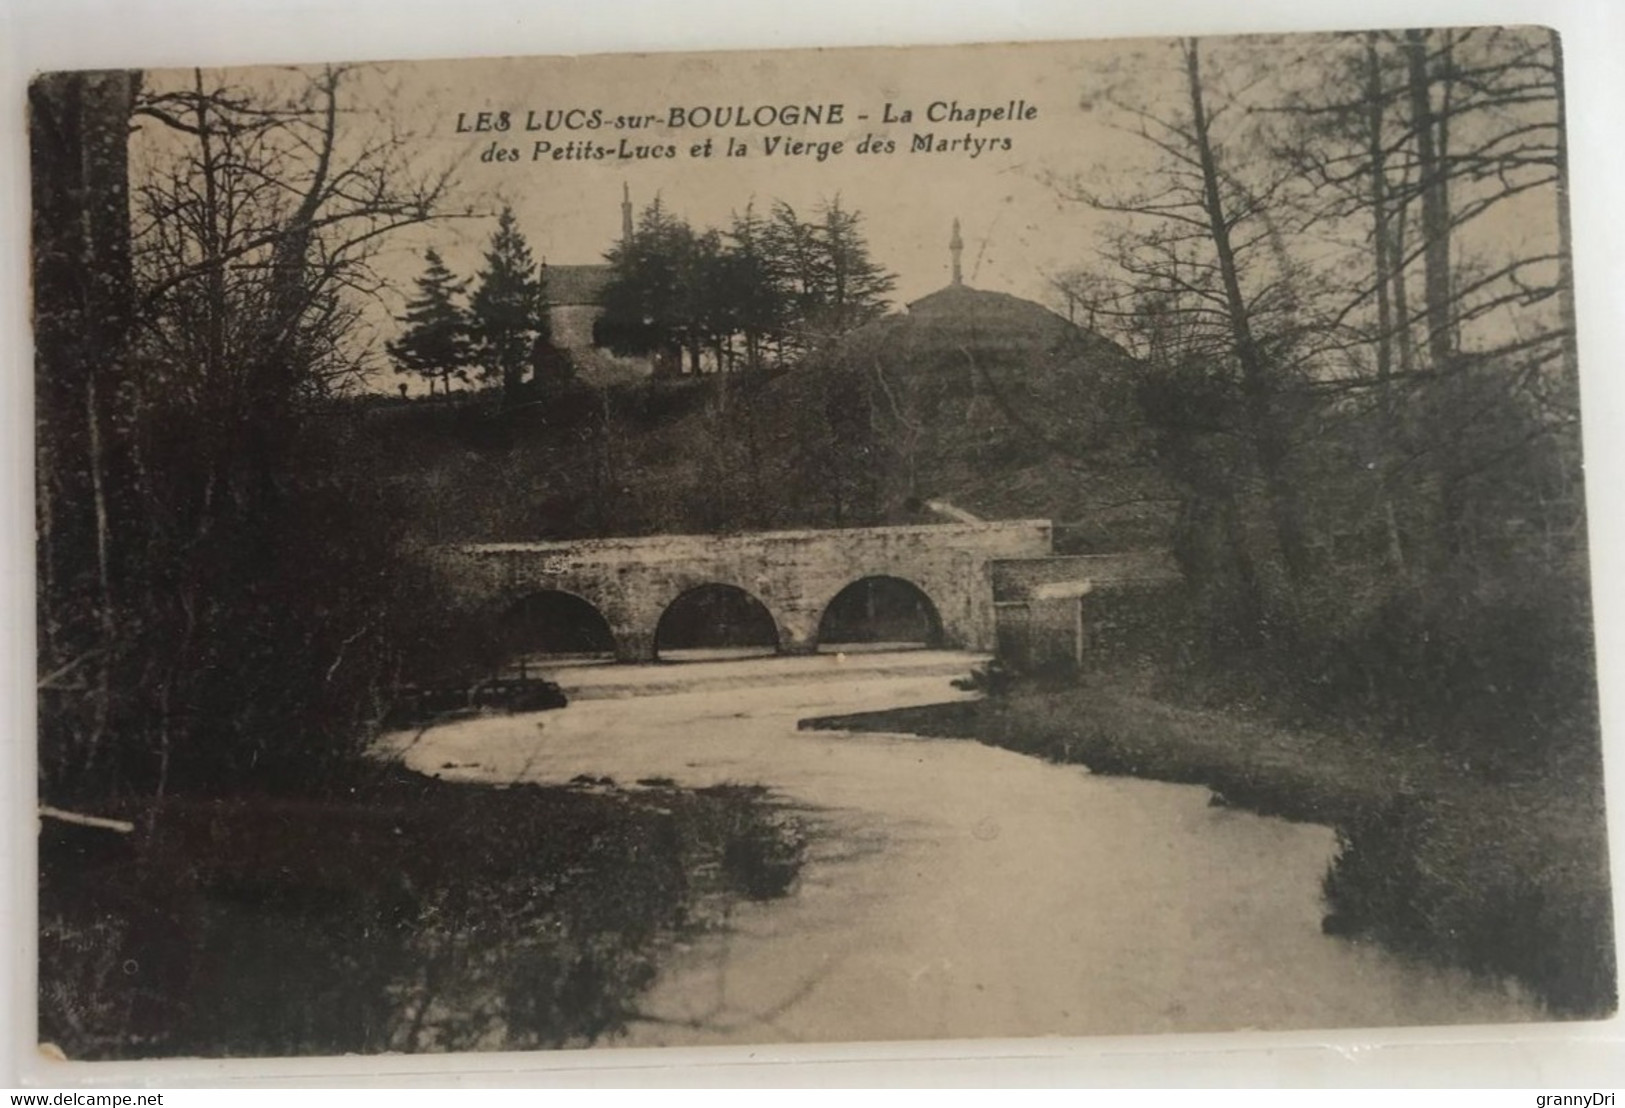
889	888
491	965
428	917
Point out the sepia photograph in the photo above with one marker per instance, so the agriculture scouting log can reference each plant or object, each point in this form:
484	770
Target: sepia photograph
861	545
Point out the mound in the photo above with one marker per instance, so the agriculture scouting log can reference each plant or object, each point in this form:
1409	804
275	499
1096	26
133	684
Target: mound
991	402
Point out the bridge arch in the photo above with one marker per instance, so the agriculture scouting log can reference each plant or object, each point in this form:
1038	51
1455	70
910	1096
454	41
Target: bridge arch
555	624
880	608
714	620
795	574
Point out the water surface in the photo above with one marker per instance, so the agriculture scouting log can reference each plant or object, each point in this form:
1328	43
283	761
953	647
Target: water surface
958	890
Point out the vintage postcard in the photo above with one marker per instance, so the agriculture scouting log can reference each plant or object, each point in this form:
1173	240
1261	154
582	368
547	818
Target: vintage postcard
1051	539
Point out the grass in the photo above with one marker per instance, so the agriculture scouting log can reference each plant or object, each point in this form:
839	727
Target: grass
422	916
1505	876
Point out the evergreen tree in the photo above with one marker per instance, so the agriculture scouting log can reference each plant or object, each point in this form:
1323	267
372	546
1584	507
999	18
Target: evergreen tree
709	315
854	286
509	309
781	281
830	284
647	304
436	341
749	282
796	263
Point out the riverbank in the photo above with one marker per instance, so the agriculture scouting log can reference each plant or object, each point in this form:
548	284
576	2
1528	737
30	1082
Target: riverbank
955	890
1506	878
421	915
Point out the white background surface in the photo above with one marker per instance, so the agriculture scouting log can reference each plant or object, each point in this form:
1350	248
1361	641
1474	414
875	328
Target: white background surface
55	34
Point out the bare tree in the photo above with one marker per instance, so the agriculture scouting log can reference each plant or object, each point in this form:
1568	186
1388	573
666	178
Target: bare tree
1200	284
1350	302
83	304
252	218
1434	141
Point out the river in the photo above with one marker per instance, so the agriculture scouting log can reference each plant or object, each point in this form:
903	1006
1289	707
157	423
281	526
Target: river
955	890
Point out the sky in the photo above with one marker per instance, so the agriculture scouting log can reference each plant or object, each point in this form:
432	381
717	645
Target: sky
1002	180
1016	228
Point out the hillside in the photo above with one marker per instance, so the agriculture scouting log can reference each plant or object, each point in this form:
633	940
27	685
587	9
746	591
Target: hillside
992	403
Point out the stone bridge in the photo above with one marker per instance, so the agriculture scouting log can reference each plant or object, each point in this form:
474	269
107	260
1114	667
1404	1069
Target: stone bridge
632	582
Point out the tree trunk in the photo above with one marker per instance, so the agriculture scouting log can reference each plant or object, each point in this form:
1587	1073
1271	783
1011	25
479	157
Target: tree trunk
1401	300
1375	98
1434	185
1565	273
83	307
1268	439
1377	170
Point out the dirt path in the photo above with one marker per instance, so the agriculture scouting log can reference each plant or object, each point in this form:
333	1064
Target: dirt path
957	890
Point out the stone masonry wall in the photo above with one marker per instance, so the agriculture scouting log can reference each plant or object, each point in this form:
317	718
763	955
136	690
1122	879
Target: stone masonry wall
795	574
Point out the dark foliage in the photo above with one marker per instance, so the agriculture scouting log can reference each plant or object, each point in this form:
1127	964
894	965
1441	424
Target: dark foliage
435	342
220	581
1534	923
507	311
1374	446
992	403
454	917
1505	879
727	301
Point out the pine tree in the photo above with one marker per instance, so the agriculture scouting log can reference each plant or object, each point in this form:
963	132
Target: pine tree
749	283
436	341
778	280
796	263
830	283
648	302
855	287
508	309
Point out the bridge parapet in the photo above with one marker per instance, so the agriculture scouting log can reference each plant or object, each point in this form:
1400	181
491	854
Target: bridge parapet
795	574
1066	609
1022	579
